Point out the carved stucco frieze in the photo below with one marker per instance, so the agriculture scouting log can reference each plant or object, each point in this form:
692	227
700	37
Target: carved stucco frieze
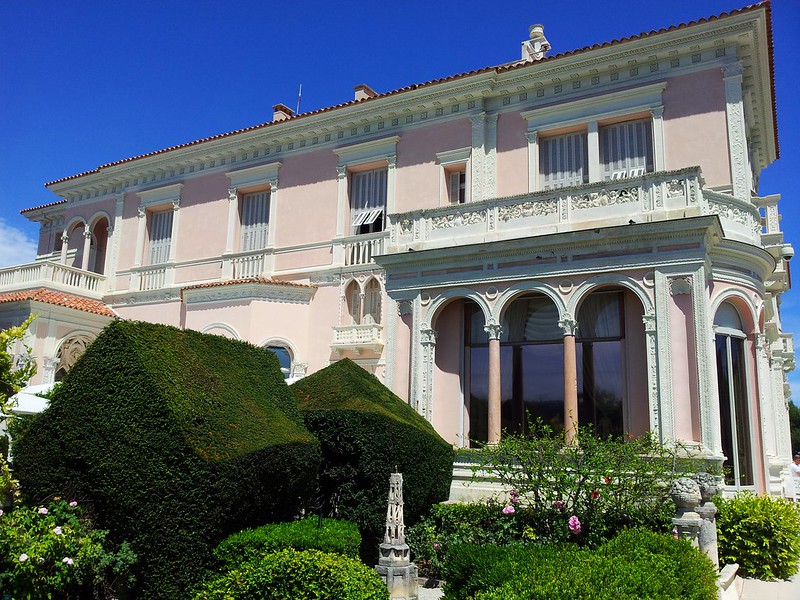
675	188
458	219
604	198
527	209
680	285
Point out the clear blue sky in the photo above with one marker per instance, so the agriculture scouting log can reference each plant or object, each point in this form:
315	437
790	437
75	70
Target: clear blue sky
88	82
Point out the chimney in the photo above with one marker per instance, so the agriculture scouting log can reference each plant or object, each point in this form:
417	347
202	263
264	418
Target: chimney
363	91
281	112
537	46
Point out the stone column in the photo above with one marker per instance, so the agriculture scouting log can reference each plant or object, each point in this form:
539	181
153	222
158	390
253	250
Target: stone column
428	343
64	247
533	160
495	382
569	327
87	248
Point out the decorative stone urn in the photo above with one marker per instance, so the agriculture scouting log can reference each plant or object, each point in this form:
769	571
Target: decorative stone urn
707	537
685	493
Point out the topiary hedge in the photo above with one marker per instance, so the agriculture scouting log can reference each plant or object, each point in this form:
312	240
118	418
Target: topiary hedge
366	432
760	533
299	575
636	564
175	439
337	537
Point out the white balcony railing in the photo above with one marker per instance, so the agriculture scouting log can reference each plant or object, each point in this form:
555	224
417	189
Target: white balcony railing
53	275
651	197
358	337
152	278
359	249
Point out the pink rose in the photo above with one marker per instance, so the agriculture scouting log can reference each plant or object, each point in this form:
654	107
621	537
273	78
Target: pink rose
42	510
509	510
574	525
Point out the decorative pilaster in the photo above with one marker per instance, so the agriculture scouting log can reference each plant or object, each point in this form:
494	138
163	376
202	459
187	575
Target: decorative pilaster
233	206
659	162
666	403
533	160
391	182
273	214
650	336
569	327
766	402
708	402
141	230
478	156
490	171
494	330
737	137
50	366
115	237
428	345
342	214
593	147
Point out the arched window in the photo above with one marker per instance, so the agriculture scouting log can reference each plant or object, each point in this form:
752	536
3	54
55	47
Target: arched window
353	300
284	357
733	396
372	303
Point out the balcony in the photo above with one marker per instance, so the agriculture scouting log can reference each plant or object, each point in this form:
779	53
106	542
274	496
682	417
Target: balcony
53	275
357	338
359	250
652	197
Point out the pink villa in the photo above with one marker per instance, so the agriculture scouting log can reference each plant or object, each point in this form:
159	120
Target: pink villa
575	235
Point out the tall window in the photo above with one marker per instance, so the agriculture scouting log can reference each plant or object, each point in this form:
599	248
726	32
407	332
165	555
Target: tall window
160	236
255	221
368	200
626	149
599	352
563	160
733	396
372	303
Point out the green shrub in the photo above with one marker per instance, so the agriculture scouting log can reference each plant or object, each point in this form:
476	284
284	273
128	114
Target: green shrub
760	533
54	550
338	537
366	432
448	525
177	439
298	575
609	484
637	564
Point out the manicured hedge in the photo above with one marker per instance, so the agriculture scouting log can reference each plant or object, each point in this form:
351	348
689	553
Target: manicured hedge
337	537
759	533
175	439
636	564
298	575
366	432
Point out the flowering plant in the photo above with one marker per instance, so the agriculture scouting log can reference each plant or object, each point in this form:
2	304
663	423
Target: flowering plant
54	551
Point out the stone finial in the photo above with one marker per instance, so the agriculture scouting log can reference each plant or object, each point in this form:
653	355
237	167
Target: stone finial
708	485
394	563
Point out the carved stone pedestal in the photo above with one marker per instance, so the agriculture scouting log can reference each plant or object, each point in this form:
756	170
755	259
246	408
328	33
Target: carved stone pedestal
394	564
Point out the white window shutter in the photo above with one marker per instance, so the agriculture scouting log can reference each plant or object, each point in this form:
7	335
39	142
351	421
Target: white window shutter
563	160
160	236
255	221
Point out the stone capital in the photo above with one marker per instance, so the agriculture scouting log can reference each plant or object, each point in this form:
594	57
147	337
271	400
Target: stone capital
494	329
568	325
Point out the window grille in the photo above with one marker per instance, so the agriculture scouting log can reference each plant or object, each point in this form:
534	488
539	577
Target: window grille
563	160
255	221
626	149
160	236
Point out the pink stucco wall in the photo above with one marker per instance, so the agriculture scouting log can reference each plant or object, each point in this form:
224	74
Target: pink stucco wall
202	229
512	155
418	172
695	126
684	399
638	412
448	407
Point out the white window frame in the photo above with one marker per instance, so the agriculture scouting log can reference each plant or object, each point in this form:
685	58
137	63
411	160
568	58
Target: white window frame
246	181
160	236
368	191
454	161
151	202
562	177
590	112
254	212
375	154
633	163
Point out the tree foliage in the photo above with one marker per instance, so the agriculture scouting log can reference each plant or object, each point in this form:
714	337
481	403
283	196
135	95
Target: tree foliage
13	378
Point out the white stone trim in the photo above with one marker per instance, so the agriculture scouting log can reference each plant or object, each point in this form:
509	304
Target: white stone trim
159	196
666	431
271	292
478	156
366	152
251	177
737	138
223	326
533	160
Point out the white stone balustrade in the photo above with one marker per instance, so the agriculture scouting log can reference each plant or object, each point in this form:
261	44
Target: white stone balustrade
52	275
651	197
358	337
359	249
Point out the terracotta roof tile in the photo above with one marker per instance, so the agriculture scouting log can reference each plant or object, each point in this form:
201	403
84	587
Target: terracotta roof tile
245	280
498	69
25	210
58	299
